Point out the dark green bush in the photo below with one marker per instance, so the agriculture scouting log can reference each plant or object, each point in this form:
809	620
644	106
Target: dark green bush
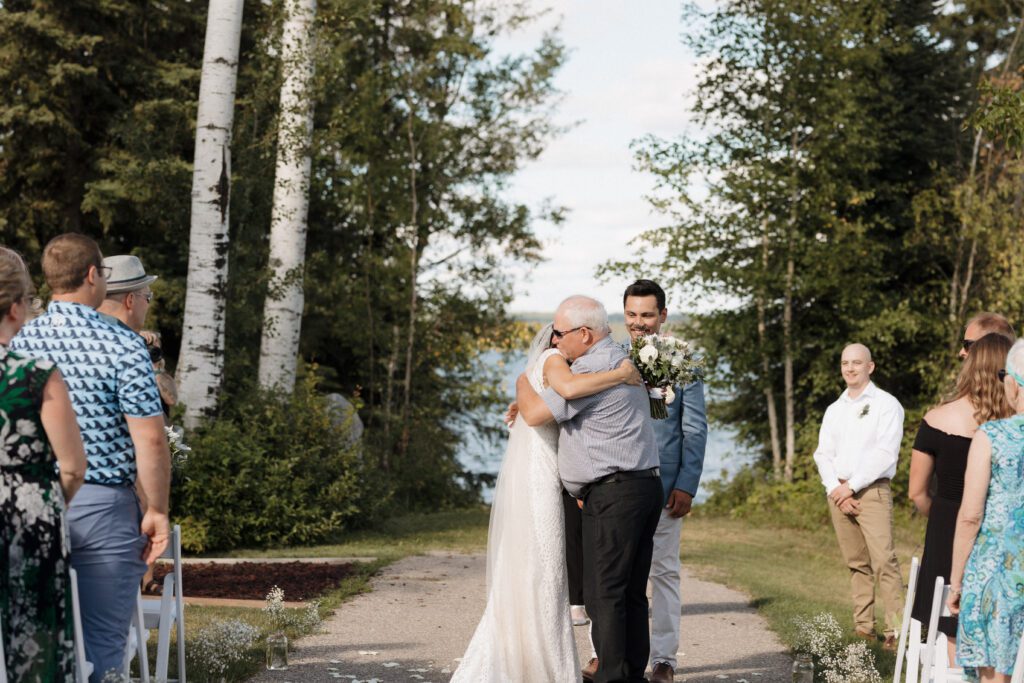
271	472
754	494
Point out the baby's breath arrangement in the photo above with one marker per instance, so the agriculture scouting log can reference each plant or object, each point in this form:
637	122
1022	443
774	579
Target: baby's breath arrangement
854	663
822	637
306	621
218	647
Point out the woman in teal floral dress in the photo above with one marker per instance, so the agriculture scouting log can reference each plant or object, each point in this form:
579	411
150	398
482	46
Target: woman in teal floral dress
987	582
36	421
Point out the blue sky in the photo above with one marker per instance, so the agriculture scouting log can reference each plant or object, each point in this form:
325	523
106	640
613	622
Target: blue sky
628	74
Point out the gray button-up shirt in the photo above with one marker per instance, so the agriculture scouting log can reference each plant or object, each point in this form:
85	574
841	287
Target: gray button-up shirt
605	433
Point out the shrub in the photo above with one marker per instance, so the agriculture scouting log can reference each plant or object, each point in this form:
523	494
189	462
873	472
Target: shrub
272	472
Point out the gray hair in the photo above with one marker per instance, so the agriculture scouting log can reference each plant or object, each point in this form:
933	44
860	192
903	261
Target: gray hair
584	311
1015	361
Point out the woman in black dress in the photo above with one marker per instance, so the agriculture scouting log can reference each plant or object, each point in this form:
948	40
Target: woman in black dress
941	449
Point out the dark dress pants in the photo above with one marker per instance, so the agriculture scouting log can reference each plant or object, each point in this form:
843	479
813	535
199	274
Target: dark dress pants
573	547
619	521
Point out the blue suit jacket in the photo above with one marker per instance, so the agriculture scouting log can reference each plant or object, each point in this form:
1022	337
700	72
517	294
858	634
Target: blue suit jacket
682	438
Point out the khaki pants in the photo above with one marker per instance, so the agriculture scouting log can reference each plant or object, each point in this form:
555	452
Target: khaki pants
868	549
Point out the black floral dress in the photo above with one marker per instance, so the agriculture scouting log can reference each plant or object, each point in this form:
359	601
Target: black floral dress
35	596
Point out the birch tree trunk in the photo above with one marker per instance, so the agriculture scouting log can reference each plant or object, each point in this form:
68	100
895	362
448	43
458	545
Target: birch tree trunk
787	321
282	312
766	371
787	345
414	267
201	363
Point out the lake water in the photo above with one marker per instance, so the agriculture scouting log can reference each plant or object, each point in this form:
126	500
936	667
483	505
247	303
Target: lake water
721	460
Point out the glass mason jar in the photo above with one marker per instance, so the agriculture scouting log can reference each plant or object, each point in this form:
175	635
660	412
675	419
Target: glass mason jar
803	668
277	651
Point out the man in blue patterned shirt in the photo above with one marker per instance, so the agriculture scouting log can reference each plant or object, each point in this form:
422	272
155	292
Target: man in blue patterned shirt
112	387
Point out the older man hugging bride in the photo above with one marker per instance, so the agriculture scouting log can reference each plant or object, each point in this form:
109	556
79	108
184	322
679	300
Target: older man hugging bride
588	429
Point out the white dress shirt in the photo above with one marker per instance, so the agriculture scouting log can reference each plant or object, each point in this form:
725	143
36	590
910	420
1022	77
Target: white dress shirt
859	440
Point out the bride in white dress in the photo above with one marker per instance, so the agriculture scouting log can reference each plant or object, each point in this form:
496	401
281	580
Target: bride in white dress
525	634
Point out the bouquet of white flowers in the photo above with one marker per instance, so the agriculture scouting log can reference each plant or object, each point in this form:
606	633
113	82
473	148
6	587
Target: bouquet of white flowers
664	362
179	450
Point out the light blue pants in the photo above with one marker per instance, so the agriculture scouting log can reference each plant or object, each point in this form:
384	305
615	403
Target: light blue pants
106	551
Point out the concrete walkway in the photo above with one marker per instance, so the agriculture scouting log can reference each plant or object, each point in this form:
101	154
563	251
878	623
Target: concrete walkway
417	621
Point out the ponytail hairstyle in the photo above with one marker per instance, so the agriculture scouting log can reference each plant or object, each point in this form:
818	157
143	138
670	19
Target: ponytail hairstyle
978	380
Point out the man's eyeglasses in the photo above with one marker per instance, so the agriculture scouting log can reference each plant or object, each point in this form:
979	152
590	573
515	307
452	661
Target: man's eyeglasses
148	296
105	271
558	334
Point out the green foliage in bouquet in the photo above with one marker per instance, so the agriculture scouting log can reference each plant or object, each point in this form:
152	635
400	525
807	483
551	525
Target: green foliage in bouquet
664	362
273	472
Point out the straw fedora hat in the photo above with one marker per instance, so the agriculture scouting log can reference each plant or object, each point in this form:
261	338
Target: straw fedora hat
126	274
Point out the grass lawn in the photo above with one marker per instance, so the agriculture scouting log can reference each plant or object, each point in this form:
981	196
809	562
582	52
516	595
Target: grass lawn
463	530
786	572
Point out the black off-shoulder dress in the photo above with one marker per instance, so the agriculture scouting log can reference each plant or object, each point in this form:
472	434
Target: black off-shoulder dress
950	454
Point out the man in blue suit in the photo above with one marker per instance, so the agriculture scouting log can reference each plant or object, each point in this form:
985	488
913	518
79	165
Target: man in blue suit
681	442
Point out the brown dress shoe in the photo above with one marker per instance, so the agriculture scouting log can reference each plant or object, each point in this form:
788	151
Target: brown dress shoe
662	673
590	669
890	643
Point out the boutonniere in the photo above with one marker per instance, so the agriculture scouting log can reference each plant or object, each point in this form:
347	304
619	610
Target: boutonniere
865	410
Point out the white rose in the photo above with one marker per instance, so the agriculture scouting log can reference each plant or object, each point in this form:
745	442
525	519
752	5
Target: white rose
24	451
669	395
648	355
26	427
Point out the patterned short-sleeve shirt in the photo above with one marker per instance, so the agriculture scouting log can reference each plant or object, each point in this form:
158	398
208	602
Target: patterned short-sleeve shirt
109	376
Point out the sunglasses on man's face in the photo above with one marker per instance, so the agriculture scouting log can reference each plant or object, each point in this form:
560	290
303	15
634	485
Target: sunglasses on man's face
558	334
968	343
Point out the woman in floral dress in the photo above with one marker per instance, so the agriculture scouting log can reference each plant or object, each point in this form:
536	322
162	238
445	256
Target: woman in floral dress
988	549
36	422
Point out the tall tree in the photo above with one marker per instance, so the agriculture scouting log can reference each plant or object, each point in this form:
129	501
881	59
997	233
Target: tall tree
282	313
822	122
201	363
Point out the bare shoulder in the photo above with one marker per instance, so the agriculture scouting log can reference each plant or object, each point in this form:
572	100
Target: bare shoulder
554	358
955	417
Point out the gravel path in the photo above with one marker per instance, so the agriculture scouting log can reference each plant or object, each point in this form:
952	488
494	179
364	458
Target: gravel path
422	612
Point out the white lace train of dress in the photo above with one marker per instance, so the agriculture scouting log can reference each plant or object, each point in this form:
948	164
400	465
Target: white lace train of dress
525	634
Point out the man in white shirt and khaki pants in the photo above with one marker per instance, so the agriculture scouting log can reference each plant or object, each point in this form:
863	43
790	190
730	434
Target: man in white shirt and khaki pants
858	447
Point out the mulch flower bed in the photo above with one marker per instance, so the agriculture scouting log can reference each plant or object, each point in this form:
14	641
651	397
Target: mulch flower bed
253	580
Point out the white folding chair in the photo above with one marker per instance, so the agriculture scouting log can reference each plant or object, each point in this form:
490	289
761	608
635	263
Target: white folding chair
3	658
136	645
908	606
934	663
83	667
168	611
1018	664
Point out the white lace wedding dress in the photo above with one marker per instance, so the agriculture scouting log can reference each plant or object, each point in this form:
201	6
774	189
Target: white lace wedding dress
525	634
